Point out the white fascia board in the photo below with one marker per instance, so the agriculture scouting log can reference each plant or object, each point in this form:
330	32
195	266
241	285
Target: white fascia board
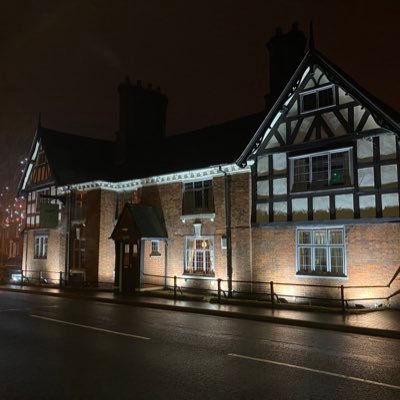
184	176
29	168
279	113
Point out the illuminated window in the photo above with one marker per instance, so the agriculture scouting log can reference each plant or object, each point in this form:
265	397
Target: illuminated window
41	246
319	171
320	251
155	248
317	99
198	197
199	257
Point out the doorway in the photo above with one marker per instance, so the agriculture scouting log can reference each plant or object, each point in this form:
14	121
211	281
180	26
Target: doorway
129	267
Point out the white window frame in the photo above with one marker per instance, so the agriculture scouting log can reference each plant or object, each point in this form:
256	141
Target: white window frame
328	248
211	251
156	250
322	153
192	191
319	89
41	246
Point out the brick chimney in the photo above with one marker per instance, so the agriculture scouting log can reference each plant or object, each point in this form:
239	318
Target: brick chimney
142	118
285	54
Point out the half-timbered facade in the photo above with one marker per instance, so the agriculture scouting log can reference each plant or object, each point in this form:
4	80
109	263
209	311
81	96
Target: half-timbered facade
325	182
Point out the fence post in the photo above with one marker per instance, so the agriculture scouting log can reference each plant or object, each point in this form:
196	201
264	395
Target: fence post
342	297
219	290
175	287
22	278
60	283
272	294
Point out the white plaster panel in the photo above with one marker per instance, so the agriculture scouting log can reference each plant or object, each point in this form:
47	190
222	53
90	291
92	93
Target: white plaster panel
273	142
334	124
367	202
310	84
317	74
370	124
387	146
282	131
293	110
365	150
358	113
390	200
299	206
321	203
344	98
263	189
366	177
262	165
279	162
280	208
280	186
344	202
388	174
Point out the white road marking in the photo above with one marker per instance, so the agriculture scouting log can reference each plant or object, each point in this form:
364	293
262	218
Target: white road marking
25	309
90	327
318	371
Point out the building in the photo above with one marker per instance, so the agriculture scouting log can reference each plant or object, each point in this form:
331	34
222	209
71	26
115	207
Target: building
305	194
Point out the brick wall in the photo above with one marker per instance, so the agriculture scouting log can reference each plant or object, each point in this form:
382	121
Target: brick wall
371	252
154	264
106	257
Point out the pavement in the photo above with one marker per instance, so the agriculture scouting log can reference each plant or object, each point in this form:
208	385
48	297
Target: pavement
383	322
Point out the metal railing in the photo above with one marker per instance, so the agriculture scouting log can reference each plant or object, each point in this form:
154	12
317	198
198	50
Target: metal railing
48	278
274	292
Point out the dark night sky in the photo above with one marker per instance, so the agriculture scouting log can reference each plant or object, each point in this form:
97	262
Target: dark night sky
66	58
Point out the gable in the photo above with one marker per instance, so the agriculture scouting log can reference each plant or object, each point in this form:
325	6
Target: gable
331	112
319	103
40	173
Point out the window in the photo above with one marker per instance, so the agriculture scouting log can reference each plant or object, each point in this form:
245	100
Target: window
320	171
198	198
41	246
199	256
155	248
79	211
79	247
317	99
320	251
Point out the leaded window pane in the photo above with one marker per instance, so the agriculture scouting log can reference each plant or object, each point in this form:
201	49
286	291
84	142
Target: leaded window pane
320	260
320	237
304	237
305	259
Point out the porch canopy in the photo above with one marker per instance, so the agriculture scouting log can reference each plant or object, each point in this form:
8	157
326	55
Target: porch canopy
138	221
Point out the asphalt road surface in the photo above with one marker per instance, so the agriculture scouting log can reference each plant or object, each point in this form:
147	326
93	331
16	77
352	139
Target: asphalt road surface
54	348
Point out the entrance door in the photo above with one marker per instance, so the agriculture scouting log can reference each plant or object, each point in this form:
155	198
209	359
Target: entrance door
130	267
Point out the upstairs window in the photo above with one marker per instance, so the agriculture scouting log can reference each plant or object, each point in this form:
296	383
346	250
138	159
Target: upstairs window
319	171
79	210
317	99
41	246
198	198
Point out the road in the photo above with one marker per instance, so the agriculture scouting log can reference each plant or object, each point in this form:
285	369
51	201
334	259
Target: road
54	348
